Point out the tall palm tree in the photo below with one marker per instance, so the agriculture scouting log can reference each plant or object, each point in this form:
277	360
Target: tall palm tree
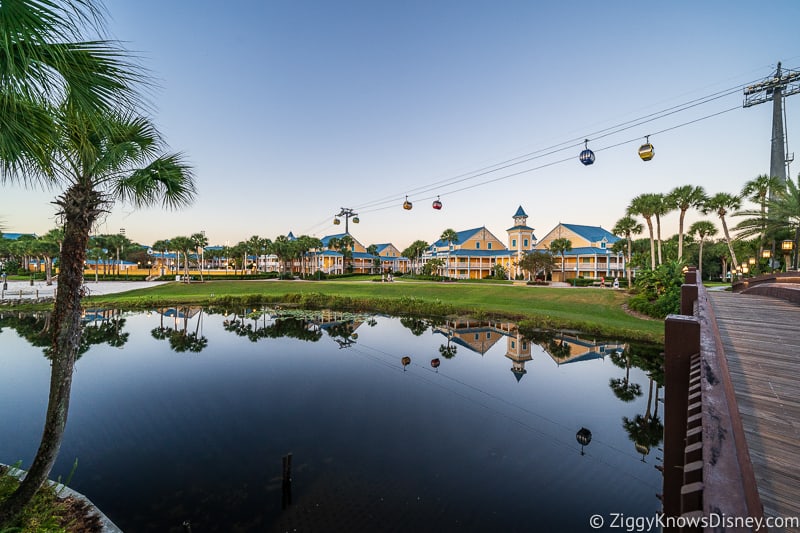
199	242
346	244
721	203
646	205
758	190
684	198
414	252
561	246
450	237
98	159
703	229
662	208
183	245
627	226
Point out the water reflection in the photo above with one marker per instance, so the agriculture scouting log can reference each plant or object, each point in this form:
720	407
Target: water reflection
99	326
273	381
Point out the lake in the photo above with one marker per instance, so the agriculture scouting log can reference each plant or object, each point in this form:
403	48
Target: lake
188	415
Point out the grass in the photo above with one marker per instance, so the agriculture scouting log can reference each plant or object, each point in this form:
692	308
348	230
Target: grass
48	512
591	310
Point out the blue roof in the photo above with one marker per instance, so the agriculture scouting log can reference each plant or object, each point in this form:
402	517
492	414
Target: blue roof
520	212
461	235
15	236
589	250
592	233
325	240
291	237
520	227
382	247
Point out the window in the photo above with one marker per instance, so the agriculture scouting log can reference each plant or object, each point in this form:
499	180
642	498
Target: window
525	243
477	246
489	245
488	335
513	243
513	344
477	336
524	345
603	244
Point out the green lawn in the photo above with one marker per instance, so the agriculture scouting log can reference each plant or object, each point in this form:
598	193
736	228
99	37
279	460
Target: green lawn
591	310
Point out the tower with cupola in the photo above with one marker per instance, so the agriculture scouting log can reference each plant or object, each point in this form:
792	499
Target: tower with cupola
521	240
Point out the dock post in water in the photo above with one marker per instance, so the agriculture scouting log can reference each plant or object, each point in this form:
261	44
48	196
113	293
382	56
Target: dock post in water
286	499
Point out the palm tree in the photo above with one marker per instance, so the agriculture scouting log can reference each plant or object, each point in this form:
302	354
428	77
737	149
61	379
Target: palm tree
646	205
199	242
662	208
376	261
684	198
760	189
450	237
561	246
96	166
627	226
721	203
703	229
346	244
414	252
183	245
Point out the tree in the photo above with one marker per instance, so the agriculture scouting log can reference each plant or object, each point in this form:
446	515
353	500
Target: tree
414	252
183	245
561	246
283	248
450	237
759	190
684	198
54	236
69	122
627	226
346	244
721	203
376	260
703	229
662	208
536	261
646	206
200	241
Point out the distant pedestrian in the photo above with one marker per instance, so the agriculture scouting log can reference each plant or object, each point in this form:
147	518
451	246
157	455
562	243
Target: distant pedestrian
616	282
602	282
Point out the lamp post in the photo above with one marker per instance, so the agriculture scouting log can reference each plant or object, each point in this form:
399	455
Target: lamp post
149	268
752	264
767	254
787	246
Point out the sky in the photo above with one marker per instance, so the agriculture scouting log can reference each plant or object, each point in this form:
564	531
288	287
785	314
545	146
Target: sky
289	111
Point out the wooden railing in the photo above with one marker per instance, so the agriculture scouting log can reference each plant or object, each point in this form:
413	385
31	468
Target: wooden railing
784	285
707	468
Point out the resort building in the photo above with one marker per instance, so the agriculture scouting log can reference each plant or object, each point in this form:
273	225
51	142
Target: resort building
475	252
591	255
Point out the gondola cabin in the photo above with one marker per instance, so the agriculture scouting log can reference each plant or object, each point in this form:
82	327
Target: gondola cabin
437	204
587	156
646	151
336	221
356	220
407	205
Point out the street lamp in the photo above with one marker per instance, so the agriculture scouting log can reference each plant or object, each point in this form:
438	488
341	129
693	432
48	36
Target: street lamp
787	246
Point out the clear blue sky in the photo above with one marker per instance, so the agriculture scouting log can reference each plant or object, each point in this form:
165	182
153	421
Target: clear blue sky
290	110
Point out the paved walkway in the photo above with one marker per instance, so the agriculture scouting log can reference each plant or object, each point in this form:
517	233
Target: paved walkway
39	289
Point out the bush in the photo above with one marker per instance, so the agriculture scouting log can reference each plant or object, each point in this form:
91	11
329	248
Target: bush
659	290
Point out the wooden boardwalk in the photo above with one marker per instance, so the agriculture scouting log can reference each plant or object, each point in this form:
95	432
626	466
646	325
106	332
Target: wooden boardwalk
761	339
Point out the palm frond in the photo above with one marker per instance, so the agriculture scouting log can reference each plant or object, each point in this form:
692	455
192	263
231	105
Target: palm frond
167	180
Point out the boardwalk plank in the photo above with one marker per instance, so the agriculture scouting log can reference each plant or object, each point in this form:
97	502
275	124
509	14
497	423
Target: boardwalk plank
761	340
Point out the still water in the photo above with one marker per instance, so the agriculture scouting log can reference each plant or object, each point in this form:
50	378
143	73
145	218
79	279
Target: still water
188	415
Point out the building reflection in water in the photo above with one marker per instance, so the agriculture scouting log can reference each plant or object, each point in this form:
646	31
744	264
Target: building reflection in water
479	336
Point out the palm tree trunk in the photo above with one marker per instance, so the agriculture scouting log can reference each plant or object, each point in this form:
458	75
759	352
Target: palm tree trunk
730	244
680	234
658	235
628	264
80	207
652	243
700	260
